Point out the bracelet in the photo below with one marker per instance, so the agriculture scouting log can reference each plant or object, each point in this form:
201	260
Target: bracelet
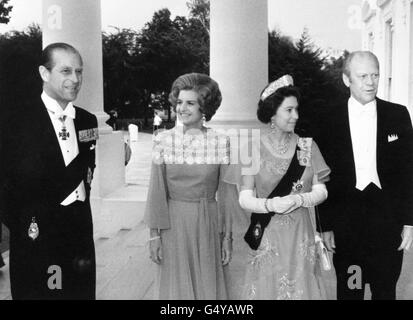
154	238
266	205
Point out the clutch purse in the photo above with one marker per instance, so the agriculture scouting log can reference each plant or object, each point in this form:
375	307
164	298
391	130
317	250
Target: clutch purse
323	254
321	250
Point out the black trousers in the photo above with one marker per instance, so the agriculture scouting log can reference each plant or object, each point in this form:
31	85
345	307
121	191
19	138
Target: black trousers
60	263
373	258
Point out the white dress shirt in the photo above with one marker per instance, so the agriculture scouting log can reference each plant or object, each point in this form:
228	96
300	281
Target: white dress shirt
68	147
363	128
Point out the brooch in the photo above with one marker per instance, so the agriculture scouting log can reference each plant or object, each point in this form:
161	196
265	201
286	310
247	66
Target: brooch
257	231
33	231
304	154
297	186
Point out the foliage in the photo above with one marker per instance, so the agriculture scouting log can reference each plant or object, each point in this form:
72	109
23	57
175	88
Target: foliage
200	10
318	78
5	10
120	89
169	48
19	56
166	49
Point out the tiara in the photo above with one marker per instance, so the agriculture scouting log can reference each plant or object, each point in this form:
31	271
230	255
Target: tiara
284	81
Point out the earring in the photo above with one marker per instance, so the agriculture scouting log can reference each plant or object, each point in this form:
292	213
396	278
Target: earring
273	126
203	120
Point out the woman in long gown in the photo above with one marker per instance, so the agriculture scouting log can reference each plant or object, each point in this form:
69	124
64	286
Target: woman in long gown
284	265
190	232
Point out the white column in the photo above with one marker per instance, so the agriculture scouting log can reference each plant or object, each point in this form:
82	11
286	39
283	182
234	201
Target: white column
78	23
239	63
239	58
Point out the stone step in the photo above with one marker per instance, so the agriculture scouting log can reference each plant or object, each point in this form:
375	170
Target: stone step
124	270
123	208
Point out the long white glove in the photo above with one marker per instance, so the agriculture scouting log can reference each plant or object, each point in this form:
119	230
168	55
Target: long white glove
257	205
248	202
316	196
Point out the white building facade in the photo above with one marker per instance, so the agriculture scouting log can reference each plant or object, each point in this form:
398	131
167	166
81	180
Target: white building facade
388	32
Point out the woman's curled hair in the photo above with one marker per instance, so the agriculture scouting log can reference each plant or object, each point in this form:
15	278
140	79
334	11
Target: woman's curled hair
209	95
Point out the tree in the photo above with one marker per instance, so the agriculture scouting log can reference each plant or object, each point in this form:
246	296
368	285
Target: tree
19	76
120	89
200	10
166	49
5	10
316	77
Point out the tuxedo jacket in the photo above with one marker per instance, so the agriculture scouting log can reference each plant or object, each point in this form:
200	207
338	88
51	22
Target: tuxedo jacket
34	178
394	157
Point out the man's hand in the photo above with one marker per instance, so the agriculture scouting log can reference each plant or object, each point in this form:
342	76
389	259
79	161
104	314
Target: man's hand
89	176
407	238
328	238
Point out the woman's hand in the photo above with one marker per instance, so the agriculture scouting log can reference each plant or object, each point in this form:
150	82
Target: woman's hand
298	202
155	250
226	250
281	205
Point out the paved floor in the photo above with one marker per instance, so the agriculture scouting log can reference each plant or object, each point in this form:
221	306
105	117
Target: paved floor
124	270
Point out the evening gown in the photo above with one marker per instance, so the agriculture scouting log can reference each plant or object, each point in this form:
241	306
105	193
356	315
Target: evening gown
285	266
185	178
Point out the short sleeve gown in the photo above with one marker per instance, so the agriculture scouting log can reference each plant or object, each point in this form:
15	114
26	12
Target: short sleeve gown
285	265
185	178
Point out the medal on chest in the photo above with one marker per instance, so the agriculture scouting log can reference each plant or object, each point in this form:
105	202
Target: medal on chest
63	134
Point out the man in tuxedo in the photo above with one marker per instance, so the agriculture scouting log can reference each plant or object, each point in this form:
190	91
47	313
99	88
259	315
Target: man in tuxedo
368	217
48	158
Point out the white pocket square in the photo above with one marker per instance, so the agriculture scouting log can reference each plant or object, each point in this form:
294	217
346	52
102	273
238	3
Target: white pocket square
92	147
392	137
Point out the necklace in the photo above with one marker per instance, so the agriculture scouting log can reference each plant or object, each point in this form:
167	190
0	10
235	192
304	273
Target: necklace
281	148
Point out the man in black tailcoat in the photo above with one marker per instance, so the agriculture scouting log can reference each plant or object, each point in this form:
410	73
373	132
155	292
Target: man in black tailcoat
368	216
48	158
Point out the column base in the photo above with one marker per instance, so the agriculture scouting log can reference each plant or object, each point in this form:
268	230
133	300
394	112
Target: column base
122	209
104	128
